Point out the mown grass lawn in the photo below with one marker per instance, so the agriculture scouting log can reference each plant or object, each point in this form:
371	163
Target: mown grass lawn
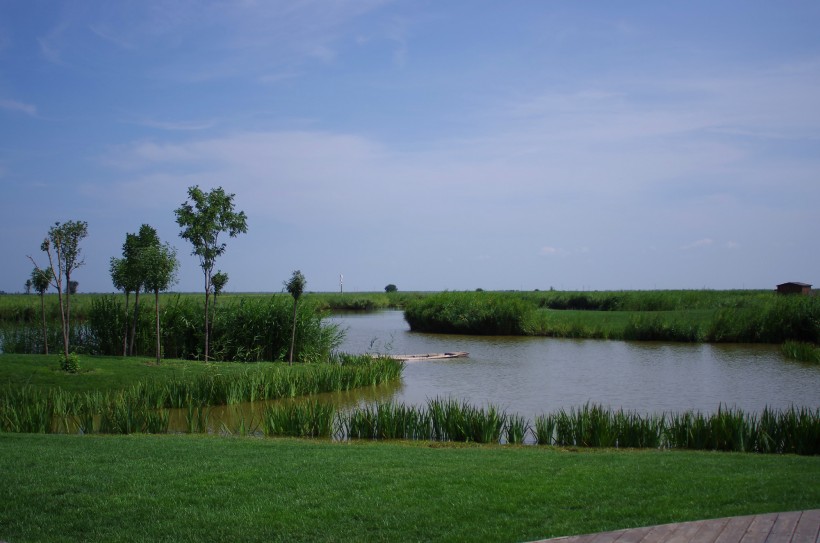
204	488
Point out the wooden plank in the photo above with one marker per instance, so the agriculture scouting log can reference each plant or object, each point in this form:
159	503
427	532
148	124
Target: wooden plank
784	527
659	534
734	530
636	535
808	527
790	527
710	529
759	528
685	533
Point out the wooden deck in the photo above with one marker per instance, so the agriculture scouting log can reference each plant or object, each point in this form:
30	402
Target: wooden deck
793	527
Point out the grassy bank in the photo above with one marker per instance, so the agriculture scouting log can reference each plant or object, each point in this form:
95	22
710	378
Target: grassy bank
198	488
689	316
39	398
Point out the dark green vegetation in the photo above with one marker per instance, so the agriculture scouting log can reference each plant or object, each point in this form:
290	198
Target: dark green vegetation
793	431
804	352
200	488
245	329
35	401
709	316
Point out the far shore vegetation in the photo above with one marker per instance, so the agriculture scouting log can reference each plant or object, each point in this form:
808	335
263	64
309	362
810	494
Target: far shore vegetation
258	326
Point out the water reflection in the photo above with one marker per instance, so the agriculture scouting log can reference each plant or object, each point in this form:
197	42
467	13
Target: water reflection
531	376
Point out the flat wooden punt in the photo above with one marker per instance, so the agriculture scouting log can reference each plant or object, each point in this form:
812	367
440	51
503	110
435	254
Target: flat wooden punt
792	527
428	356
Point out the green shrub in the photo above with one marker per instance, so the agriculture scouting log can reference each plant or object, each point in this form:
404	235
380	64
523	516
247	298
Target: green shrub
70	363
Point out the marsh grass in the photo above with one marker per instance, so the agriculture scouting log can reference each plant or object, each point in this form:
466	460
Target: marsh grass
679	316
476	313
801	351
299	419
143	407
245	329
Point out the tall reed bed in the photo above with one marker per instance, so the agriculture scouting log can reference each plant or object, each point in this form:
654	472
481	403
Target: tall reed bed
144	406
476	313
440	420
680	316
792	431
244	329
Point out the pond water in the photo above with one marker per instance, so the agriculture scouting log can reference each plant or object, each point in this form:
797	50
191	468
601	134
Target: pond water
532	376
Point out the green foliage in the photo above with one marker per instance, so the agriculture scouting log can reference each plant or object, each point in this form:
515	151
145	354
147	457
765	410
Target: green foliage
480	313
299	419
219	280
211	214
41	280
391	288
804	352
296	285
70	363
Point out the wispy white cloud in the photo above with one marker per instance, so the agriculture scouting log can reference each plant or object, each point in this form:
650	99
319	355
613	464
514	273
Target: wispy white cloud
705	242
549	251
14	105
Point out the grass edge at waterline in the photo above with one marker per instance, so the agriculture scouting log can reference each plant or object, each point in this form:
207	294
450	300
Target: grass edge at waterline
142	407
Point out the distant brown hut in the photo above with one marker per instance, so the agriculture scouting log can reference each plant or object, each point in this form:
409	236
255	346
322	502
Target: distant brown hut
794	288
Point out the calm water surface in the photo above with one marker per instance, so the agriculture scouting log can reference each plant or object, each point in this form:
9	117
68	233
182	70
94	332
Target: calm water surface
531	376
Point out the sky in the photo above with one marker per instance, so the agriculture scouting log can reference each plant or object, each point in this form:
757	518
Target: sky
434	145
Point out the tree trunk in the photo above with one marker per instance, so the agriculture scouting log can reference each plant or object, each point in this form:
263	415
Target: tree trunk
134	322
207	300
292	334
125	332
65	314
43	312
156	305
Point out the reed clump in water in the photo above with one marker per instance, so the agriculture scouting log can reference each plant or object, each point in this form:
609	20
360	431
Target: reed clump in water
801	351
143	407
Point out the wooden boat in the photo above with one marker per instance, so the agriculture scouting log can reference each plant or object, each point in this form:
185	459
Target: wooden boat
428	356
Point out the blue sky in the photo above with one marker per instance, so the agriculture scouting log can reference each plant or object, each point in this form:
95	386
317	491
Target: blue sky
430	144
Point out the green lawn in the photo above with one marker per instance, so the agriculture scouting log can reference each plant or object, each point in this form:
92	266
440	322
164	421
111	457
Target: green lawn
200	488
111	373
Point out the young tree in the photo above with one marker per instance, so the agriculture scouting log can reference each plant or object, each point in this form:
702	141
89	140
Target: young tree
160	273
40	280
64	240
136	269
296	286
119	276
211	214
218	282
